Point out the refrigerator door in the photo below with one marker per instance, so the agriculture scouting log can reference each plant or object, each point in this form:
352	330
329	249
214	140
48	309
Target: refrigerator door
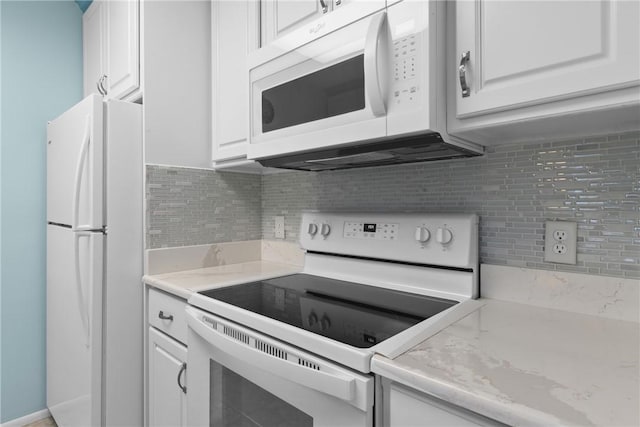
75	166
74	326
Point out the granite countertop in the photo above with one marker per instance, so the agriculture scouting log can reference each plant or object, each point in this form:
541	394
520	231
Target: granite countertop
184	283
526	365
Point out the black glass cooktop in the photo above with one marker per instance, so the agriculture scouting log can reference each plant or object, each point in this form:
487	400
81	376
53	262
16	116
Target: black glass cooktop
352	313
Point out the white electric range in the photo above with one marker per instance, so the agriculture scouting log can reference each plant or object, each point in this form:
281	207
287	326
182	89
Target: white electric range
296	350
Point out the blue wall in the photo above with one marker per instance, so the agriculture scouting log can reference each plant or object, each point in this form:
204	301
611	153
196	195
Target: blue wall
41	77
83	4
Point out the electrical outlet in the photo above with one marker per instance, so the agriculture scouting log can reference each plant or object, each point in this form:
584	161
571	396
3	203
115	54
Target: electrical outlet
560	241
559	235
278	229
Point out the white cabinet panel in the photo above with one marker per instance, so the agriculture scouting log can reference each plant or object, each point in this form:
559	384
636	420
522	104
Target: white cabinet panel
123	55
234	35
167	313
167	402
408	408
542	70
111	48
282	16
93	28
530	52
176	75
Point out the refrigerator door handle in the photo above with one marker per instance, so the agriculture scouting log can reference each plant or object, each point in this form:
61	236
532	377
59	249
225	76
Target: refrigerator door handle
84	151
83	304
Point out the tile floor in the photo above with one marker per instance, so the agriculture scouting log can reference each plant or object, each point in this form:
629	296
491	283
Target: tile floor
45	422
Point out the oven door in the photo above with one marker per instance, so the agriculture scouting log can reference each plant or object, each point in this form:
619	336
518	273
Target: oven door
237	377
331	91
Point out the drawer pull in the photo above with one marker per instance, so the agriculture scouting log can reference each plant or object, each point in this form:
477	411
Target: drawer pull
165	317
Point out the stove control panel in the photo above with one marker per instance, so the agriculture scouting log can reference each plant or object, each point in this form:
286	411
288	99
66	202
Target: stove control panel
439	239
370	230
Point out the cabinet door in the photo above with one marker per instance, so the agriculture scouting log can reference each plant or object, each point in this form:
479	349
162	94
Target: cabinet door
282	16
410	409
524	53
93	25
234	35
167	402
123	48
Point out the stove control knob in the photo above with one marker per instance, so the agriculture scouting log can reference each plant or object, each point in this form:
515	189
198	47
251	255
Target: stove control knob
313	229
325	323
422	234
313	319
444	236
325	229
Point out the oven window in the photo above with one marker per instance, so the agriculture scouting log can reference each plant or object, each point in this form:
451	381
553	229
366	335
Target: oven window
237	402
332	91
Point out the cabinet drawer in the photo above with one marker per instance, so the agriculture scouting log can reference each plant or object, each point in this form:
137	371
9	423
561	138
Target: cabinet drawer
172	309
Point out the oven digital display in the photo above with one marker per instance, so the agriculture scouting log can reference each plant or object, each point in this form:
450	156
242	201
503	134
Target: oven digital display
370	228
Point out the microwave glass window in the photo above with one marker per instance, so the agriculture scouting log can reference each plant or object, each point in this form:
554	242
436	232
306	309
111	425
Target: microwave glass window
329	92
236	401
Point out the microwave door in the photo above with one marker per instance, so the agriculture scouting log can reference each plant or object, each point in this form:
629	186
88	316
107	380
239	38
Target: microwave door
330	91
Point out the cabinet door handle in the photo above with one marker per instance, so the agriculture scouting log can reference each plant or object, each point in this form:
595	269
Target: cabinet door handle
462	71
183	369
99	85
165	317
104	89
325	8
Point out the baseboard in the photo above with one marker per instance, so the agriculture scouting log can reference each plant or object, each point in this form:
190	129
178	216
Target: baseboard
27	419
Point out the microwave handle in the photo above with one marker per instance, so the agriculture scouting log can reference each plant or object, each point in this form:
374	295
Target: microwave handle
341	387
372	76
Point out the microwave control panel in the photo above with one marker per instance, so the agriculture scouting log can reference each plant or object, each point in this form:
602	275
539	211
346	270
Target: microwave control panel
405	68
364	230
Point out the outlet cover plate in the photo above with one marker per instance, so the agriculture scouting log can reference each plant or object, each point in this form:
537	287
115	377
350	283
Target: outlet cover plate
278	230
562	251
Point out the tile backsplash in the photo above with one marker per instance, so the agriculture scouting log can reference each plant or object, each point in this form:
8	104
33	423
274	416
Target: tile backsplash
514	189
198	206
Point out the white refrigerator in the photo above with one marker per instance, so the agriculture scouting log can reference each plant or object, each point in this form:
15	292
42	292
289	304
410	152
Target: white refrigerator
94	264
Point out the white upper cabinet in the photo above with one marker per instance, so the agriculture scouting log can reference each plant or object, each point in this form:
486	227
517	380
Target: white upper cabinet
123	48
93	28
282	16
234	34
527	59
111	48
176	80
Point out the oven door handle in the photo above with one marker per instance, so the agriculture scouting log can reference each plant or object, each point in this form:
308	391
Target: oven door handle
339	386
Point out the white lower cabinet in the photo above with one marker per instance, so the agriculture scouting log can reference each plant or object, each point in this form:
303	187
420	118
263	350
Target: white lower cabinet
166	391
167	377
404	407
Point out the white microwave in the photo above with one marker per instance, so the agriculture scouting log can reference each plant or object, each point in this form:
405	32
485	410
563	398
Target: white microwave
342	93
